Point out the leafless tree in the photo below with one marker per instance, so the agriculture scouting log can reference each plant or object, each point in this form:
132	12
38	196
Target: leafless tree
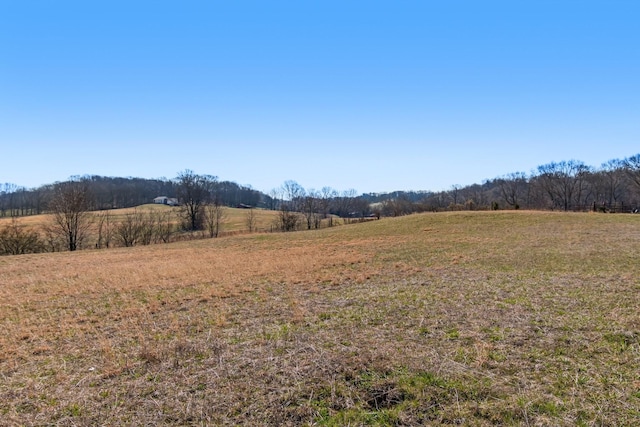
362	207
148	227
214	216
130	229
70	206
343	204
105	230
274	197
455	194
513	187
632	166
612	178
564	182
164	226
194	192
53	241
294	194
310	204
288	218
8	198
398	206
327	194
250	220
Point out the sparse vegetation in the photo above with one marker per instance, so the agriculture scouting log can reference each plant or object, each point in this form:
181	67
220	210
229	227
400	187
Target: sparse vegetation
16	239
147	224
481	318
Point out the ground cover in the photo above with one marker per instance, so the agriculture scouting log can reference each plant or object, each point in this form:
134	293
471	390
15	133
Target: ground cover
234	221
473	318
235	218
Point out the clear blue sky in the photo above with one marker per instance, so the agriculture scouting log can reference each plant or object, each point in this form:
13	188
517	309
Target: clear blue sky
371	95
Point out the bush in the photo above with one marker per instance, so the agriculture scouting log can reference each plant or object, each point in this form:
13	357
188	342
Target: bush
15	239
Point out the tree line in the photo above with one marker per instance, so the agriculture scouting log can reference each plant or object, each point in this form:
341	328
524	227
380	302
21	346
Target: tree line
115	193
76	221
81	206
73	205
299	208
566	185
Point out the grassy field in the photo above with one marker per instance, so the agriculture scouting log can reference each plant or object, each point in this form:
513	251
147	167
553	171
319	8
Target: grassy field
235	219
481	318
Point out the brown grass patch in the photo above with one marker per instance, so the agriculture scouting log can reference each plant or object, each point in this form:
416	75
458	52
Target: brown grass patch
468	318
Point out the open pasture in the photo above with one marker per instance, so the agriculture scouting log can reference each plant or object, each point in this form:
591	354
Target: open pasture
471	318
235	219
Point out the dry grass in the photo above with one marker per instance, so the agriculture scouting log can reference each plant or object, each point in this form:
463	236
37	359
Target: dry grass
501	318
235	220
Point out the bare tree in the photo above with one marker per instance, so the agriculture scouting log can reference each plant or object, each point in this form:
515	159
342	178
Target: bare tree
214	216
164	227
564	182
455	194
8	199
194	192
288	217
250	220
287	220
294	194
326	195
612	173
398	206
105	230
343	204
130	229
513	188
310	208
53	241
274	197
362	206
632	166
148	226
70	206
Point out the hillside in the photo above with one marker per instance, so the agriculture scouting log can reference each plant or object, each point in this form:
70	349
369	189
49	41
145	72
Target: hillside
234	220
475	318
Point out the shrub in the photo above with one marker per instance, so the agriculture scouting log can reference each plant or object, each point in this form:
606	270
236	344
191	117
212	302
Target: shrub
16	239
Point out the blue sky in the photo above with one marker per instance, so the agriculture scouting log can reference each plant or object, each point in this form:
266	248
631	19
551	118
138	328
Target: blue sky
371	95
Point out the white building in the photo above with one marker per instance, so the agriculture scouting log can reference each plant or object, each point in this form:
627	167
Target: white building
164	200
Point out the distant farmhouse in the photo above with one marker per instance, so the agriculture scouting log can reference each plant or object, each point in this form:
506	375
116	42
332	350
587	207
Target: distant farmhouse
164	200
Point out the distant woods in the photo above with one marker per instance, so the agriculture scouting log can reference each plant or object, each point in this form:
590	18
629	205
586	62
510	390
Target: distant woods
82	206
564	186
113	193
82	211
